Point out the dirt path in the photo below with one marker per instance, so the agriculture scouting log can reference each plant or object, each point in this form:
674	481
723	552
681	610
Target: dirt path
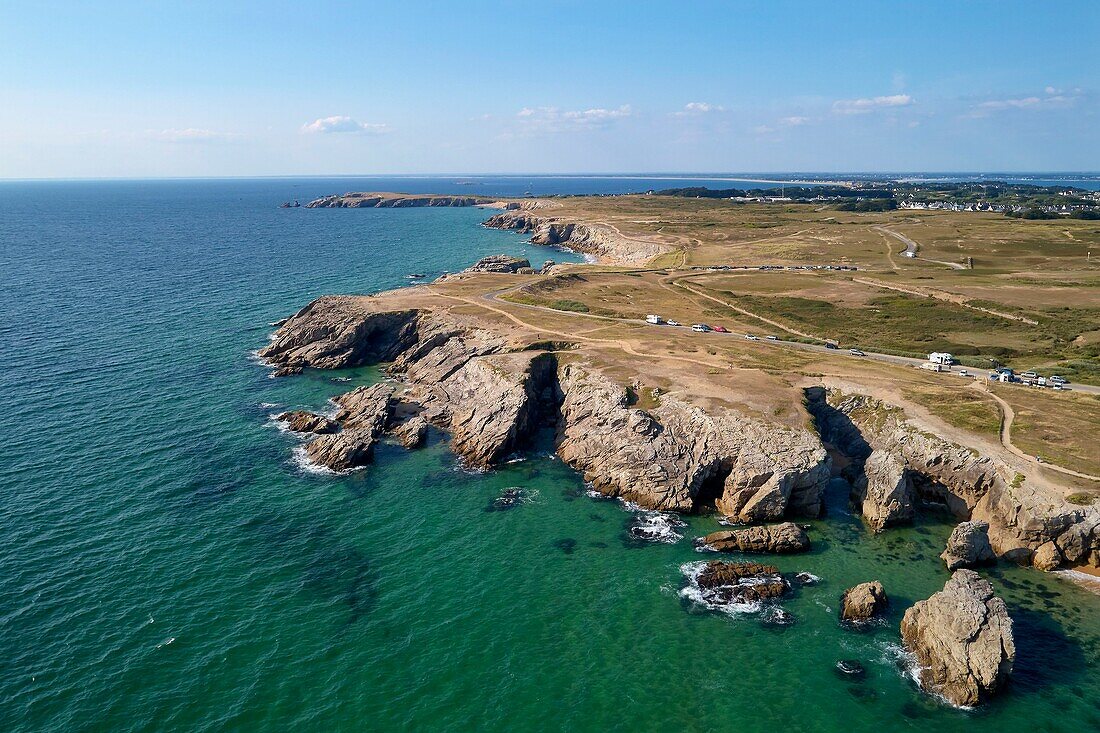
626	346
945	296
1007	416
677	281
911	248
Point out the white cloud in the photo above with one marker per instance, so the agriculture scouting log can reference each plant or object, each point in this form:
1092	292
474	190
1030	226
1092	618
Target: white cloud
552	119
692	109
341	123
1054	98
191	135
870	104
794	121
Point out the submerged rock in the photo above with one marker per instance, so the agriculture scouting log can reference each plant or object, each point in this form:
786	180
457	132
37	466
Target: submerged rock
649	526
863	602
732	586
508	499
301	421
962	638
850	669
968	546
783	538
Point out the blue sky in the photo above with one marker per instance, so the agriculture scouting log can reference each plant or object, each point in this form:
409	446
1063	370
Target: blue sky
224	88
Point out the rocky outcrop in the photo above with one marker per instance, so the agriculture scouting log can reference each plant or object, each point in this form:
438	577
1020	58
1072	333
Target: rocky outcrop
337	331
887	451
601	241
884	491
968	546
677	456
362	416
412	433
783	538
863	602
503	264
962	639
740	582
492	398
301	421
390	200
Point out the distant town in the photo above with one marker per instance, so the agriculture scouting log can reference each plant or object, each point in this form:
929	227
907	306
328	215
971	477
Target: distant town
1016	200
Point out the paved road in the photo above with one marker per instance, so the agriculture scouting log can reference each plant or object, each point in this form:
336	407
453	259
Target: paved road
911	248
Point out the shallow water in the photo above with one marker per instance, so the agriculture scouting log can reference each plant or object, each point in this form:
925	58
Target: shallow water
167	566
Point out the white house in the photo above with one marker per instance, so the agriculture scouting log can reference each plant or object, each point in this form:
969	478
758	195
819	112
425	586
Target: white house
941	357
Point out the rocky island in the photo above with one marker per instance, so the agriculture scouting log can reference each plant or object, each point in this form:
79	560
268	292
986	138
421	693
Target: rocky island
692	421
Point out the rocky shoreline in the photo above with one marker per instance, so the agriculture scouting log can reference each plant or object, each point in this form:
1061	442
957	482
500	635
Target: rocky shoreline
494	392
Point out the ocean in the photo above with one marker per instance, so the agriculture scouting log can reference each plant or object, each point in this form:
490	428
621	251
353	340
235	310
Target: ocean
167	565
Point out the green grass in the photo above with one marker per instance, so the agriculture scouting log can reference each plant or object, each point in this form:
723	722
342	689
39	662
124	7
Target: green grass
1083	498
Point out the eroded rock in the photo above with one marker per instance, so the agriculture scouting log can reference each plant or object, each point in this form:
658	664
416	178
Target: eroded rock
301	421
968	546
783	538
962	638
863	602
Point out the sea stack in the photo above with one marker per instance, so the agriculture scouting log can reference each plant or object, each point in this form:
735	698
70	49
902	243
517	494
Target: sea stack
962	638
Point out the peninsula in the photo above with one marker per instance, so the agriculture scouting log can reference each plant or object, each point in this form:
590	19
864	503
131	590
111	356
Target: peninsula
810	326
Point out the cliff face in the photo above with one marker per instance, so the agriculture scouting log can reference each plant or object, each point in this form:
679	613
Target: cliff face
897	467
492	400
592	239
381	200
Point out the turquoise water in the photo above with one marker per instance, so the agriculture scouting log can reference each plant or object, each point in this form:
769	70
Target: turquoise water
167	566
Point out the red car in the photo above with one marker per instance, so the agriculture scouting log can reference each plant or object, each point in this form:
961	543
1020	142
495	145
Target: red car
719	329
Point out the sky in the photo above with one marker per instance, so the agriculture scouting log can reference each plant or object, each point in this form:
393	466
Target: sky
158	89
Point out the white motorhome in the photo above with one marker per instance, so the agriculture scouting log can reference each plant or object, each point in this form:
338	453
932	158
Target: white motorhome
941	357
653	319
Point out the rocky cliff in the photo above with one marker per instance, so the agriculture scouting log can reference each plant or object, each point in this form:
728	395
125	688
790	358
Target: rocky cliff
594	239
492	399
897	467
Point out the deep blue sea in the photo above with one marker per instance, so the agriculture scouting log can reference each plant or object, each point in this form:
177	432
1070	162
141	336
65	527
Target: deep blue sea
165	565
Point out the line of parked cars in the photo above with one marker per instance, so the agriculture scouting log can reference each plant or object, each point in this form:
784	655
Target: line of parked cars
1028	378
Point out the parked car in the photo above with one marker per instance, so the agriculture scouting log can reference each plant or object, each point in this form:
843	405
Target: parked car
719	329
964	373
773	338
673	323
1029	375
700	327
856	352
1058	380
830	345
751	337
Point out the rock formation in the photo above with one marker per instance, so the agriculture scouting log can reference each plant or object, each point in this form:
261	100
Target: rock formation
592	239
889	455
783	538
505	264
962	638
741	582
491	398
884	492
863	602
301	421
968	546
412	433
363	416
